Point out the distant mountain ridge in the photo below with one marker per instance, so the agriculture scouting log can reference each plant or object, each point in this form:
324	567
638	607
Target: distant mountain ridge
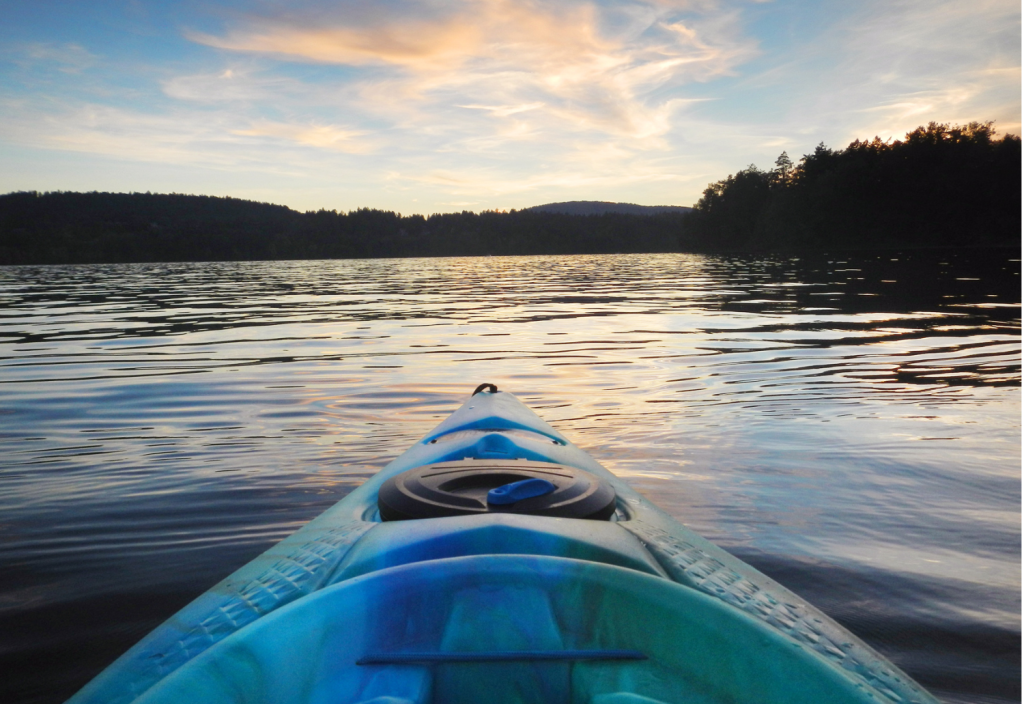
600	207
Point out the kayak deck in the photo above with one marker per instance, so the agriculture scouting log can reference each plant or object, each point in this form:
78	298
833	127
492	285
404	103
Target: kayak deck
499	607
507	629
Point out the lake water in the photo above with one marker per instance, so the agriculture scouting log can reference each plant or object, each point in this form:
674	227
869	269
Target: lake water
849	425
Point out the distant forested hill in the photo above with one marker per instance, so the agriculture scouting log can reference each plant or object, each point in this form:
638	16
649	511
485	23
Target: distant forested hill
139	227
600	207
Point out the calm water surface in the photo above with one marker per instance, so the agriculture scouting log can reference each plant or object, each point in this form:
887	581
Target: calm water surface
849	425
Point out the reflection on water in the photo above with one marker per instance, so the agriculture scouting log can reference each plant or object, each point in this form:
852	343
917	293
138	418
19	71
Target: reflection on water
850	425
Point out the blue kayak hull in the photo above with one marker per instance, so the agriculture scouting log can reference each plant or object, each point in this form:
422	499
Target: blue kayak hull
499	607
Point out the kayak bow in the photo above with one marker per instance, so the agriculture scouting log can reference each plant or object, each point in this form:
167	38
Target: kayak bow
496	562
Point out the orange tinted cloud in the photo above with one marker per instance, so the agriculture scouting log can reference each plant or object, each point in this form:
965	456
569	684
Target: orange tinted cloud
324	136
416	38
406	43
584	66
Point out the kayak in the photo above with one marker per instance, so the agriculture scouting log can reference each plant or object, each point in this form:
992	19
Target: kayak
496	562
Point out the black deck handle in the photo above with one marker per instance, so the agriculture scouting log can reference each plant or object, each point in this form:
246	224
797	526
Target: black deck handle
490	388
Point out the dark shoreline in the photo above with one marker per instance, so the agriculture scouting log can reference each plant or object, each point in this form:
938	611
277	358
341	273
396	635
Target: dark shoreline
944	186
104	228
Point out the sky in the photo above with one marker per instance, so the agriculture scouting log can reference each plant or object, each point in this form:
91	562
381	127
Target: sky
449	105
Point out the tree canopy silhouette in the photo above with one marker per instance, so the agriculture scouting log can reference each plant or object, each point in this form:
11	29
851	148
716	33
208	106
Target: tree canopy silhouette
943	185
41	228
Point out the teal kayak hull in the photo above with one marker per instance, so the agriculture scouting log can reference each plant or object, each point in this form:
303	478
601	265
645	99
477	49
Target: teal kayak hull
499	607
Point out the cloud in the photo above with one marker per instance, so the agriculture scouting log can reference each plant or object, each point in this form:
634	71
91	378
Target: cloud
330	137
907	63
578	66
418	103
185	138
67	58
408	43
504	110
100	129
471	99
228	85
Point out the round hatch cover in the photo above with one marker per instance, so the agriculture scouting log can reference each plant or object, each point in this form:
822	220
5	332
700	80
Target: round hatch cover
461	488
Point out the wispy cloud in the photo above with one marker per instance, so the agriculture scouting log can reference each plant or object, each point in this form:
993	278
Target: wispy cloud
409	43
581	65
496	103
504	110
182	138
330	137
67	58
947	60
236	84
904	63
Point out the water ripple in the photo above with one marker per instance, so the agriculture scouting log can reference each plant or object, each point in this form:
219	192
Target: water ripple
850	424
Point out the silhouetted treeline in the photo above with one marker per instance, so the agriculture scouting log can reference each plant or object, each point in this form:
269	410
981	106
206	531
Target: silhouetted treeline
941	186
139	227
